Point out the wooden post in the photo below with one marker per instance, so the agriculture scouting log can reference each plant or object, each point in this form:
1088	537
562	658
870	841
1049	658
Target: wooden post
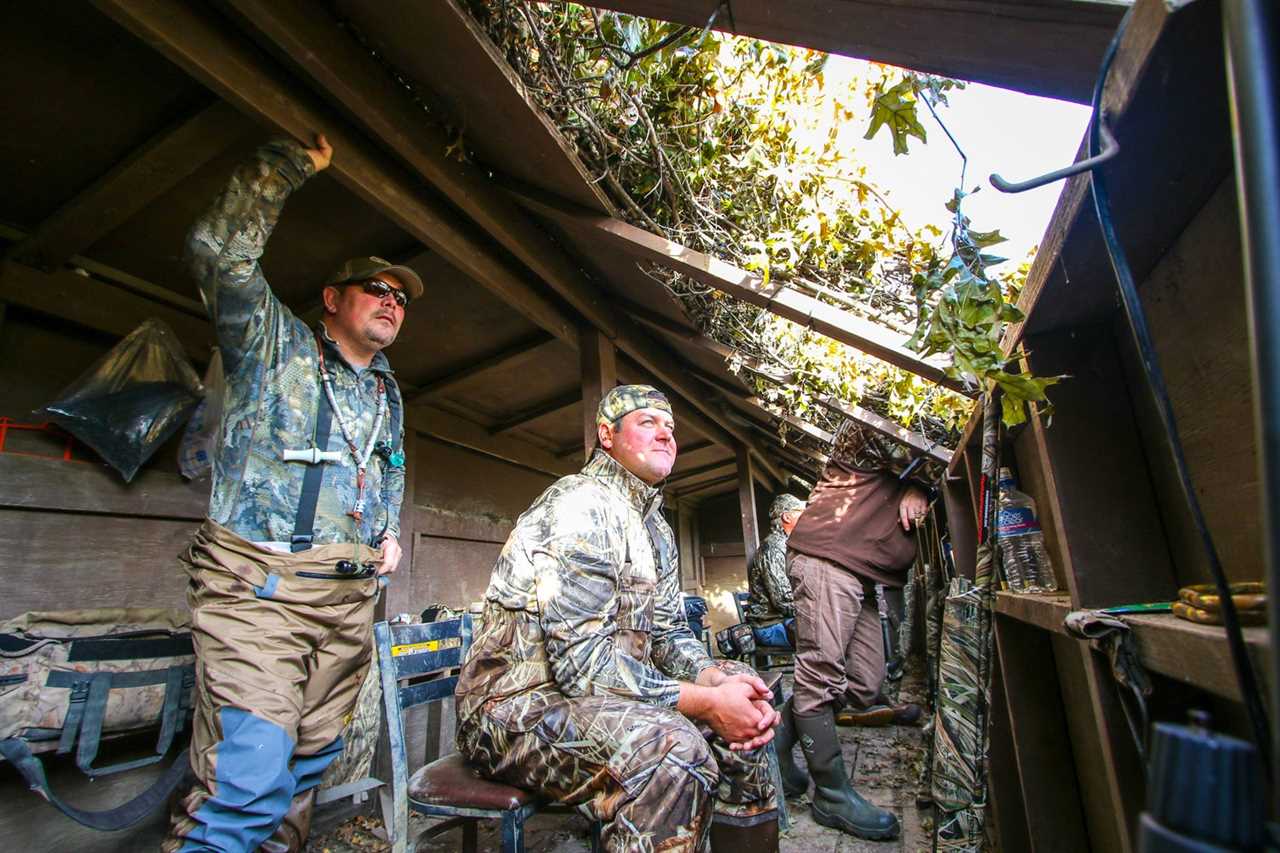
599	362
747	502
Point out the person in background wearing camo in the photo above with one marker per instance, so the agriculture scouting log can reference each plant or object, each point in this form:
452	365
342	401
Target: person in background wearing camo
303	517
770	606
584	683
855	533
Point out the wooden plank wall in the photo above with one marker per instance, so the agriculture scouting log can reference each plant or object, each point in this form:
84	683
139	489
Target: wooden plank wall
1195	301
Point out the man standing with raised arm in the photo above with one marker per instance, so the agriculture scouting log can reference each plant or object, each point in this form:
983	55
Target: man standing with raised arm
585	684
308	476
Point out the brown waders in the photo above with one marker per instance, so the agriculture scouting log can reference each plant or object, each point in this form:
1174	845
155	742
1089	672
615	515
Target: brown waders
282	644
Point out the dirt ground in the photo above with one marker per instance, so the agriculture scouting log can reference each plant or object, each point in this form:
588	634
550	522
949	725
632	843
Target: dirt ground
885	766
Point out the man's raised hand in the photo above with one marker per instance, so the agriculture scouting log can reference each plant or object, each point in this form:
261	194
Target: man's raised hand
322	154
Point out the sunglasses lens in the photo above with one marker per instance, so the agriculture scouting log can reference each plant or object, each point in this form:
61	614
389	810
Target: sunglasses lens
380	289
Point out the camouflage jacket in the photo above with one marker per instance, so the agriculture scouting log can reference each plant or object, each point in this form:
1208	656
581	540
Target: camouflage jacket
273	388
584	600
769	588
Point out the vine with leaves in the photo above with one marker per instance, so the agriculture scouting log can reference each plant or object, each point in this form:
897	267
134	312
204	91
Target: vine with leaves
738	148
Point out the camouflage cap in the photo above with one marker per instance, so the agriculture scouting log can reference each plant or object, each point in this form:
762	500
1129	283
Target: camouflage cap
784	503
363	269
628	398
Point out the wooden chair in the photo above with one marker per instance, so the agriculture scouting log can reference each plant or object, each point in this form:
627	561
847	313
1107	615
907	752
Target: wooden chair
419	664
764	656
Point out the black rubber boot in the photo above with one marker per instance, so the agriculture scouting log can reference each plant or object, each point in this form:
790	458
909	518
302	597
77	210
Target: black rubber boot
794	780
761	836
835	802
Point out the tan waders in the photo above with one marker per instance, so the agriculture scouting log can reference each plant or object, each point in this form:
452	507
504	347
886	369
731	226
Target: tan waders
282	644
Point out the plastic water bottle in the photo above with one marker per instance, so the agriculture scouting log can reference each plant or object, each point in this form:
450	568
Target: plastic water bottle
1026	562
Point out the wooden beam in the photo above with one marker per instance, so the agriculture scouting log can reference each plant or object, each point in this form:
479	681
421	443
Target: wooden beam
98	305
36	483
201	44
842	326
342	68
503	358
145	175
708	484
690	473
1050	48
747	503
455	430
347	73
599	361
880	424
537	410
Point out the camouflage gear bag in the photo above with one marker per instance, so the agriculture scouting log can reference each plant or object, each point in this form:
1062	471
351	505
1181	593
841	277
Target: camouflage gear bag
67	678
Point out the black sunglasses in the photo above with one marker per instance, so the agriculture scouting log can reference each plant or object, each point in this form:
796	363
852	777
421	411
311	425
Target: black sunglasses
379	289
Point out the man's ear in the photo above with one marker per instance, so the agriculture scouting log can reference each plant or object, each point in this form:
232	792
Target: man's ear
604	434
330	297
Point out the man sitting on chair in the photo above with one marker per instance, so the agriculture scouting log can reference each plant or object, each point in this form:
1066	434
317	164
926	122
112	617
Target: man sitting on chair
584	682
770	607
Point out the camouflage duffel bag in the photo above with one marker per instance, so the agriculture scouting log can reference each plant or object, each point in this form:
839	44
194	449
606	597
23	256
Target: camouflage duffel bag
67	678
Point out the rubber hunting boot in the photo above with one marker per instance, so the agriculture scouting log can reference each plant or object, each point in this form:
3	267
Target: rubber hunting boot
835	802
291	835
759	837
794	780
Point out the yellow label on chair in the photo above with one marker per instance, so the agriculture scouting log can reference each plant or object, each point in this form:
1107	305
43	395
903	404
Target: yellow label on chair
428	646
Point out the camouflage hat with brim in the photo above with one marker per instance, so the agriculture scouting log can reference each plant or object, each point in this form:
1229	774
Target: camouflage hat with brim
784	503
628	398
363	269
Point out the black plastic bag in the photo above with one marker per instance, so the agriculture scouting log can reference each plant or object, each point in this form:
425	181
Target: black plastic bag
132	399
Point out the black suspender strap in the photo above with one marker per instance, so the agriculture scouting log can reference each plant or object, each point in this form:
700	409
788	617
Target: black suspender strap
304	525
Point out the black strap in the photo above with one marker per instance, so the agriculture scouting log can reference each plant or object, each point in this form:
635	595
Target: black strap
17	753
304	525
87	710
130	648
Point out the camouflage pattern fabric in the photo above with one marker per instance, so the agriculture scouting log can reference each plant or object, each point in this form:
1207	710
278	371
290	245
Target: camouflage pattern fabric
29	708
769	589
858	446
652	776
585	599
624	399
571	681
273	388
962	718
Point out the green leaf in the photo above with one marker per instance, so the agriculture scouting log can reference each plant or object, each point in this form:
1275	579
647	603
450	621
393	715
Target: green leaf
895	108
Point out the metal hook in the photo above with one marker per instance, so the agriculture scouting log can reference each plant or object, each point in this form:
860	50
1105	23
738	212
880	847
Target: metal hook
1110	148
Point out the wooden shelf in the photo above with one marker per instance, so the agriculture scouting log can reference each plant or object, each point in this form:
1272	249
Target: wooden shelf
1184	651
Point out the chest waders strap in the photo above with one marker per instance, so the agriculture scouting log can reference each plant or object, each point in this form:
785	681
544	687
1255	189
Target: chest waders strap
304	524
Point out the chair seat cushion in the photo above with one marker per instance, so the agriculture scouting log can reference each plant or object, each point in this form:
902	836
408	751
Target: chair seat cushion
451	781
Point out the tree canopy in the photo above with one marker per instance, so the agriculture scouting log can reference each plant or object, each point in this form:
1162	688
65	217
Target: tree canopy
739	148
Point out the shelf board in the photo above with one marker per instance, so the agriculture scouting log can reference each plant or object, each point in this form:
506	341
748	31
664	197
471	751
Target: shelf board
1184	651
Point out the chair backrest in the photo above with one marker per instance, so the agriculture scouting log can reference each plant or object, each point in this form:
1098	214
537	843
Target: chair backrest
740	601
418	664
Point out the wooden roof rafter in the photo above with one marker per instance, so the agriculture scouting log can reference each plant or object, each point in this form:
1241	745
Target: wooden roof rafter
506	357
144	176
541	409
879	423
215	55
776	298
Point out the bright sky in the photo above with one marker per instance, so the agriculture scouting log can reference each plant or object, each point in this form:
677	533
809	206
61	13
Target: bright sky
1018	136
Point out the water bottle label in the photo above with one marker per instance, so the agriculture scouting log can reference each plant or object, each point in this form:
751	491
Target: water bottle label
1016	520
